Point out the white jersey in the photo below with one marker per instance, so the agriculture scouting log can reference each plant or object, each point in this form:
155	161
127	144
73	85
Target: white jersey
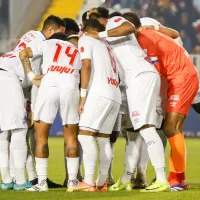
61	63
146	21
11	63
27	40
128	51
104	74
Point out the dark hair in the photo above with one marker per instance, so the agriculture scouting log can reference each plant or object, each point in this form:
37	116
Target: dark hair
59	36
54	21
103	12
93	23
115	14
133	18
71	26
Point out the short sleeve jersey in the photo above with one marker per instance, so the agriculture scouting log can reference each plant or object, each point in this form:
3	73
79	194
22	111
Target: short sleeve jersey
173	58
104	75
61	63
11	63
128	51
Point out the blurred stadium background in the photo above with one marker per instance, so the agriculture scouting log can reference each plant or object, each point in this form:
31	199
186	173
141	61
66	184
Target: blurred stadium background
19	16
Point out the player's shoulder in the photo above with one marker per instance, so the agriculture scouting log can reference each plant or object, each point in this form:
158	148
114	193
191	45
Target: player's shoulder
148	21
86	39
114	22
32	35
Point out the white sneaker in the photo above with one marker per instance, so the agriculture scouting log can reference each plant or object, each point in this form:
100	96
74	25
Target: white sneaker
72	184
42	187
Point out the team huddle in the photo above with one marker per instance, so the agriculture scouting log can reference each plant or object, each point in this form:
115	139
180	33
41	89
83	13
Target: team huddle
117	73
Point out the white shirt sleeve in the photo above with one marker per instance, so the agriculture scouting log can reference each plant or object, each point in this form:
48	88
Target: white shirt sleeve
115	22
85	48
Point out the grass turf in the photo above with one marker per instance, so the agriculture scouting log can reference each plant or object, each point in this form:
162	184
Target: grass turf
56	173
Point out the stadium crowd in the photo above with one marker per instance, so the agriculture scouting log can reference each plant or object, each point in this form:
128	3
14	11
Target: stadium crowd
182	15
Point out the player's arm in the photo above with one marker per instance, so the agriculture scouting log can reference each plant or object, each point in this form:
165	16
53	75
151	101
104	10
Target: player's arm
24	56
165	30
122	28
85	49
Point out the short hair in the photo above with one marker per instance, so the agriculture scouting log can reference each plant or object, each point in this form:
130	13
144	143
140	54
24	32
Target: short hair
71	26
93	24
115	14
89	15
133	18
103	12
54	21
59	36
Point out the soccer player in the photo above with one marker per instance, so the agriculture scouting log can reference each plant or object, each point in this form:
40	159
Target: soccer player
99	106
52	24
59	90
175	64
143	115
12	117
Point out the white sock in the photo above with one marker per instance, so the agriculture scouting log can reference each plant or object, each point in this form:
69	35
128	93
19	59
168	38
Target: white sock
4	158
156	152
30	168
131	156
11	164
72	166
142	162
111	164
41	168
88	145
105	157
19	145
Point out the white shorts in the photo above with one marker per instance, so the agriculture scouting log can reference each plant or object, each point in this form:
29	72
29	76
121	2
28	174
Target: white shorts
12	110
142	96
51	99
99	114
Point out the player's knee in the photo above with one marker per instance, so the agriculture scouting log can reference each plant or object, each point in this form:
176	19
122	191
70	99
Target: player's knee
170	129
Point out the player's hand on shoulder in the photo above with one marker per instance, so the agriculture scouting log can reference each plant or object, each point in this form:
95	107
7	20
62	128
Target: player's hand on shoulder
92	34
81	105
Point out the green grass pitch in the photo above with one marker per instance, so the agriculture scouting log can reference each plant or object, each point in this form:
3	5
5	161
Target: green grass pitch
56	173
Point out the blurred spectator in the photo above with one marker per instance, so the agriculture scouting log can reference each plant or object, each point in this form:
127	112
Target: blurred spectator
182	15
187	42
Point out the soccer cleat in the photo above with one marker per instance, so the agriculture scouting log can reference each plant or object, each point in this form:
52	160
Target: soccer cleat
7	186
138	183
83	187
72	184
121	187
42	187
110	181
51	184
178	186
28	184
103	188
21	186
157	186
34	182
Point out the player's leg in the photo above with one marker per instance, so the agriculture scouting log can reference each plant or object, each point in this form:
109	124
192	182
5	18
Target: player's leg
181	95
70	118
47	104
145	119
19	147
7	183
113	139
103	141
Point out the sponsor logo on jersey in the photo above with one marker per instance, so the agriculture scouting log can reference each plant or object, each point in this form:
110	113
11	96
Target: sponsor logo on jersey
118	19
61	69
174	97
82	49
135	114
113	82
